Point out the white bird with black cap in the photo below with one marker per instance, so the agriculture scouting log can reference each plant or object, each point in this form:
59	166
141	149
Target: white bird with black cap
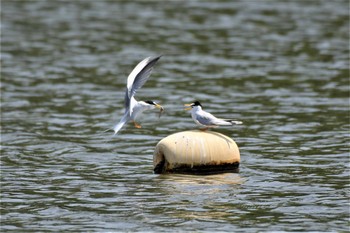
136	79
203	118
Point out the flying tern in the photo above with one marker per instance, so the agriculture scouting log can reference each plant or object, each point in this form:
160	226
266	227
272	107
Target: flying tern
136	79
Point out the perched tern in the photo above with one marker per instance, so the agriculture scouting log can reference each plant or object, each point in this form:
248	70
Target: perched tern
203	118
136	79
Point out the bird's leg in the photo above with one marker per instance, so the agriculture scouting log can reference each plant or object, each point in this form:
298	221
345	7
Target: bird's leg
136	125
204	129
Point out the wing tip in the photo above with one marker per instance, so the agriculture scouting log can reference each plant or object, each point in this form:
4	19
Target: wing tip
155	58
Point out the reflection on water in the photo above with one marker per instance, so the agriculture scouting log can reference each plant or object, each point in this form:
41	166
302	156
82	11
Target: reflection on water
197	181
281	68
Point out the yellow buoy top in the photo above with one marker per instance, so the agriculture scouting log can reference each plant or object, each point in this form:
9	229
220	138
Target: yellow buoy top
196	148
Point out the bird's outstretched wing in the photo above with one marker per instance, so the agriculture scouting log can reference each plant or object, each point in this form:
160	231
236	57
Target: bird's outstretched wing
137	78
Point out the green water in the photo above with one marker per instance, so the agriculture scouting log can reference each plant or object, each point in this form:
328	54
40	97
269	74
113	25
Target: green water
281	67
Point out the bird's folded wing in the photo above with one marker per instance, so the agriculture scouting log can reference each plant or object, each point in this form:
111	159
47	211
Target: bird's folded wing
205	119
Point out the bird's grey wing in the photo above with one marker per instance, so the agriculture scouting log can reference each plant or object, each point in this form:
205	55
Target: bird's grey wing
205	119
208	119
140	75
126	101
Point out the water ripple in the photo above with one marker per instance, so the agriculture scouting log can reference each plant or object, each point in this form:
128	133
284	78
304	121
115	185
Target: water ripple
281	68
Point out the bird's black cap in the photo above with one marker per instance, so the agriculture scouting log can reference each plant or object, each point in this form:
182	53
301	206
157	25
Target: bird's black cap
150	102
196	103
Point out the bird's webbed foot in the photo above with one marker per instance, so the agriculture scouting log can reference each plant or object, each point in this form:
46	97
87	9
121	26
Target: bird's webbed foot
137	125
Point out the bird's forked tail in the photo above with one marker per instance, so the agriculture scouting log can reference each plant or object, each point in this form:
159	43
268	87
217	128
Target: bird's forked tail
121	123
235	122
117	127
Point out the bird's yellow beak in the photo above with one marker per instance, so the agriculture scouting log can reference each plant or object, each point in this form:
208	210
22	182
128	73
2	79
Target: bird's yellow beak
159	106
189	107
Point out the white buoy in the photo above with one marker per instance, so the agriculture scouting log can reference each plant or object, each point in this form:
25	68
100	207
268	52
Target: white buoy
196	152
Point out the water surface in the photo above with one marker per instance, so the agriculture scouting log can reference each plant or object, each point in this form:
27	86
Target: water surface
280	67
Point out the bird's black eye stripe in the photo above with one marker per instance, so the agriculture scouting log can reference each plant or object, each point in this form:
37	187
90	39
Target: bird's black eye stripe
150	102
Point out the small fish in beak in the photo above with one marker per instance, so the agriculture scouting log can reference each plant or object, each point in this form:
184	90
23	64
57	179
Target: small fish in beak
161	110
